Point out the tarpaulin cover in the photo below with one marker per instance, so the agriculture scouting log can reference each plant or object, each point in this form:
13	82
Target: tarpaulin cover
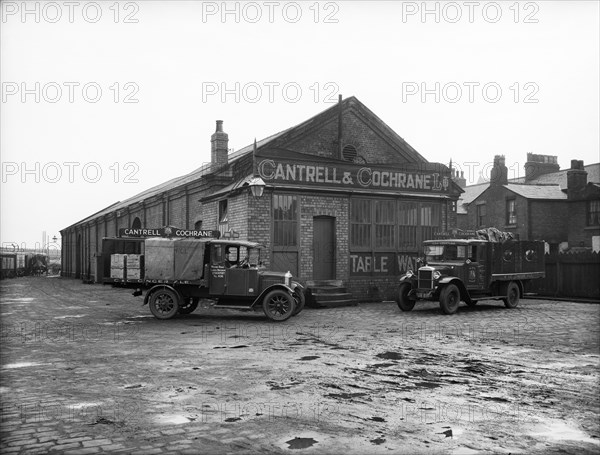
174	259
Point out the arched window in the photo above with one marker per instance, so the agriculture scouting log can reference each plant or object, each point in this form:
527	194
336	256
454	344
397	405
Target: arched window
137	223
198	225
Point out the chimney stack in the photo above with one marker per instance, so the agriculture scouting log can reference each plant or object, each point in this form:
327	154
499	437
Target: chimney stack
499	174
459	178
537	165
576	179
219	146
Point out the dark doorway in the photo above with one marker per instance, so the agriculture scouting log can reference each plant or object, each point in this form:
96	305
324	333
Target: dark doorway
323	248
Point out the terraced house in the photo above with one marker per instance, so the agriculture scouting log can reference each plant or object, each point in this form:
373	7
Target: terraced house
340	198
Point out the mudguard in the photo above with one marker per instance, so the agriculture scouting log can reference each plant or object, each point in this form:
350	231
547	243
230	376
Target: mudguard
283	287
160	286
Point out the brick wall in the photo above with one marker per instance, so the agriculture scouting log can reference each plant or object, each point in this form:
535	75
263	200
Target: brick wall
312	206
369	144
259	223
549	221
580	234
177	210
209	215
237	212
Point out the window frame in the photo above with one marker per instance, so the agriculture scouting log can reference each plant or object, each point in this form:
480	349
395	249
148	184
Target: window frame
511	216
481	217
592	212
283	222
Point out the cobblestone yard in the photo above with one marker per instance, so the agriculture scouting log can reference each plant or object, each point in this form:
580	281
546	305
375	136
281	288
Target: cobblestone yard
87	369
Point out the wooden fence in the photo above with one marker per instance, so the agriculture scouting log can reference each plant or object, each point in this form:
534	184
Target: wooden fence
569	275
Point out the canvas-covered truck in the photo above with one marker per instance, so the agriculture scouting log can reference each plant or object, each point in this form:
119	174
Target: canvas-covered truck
177	272
472	269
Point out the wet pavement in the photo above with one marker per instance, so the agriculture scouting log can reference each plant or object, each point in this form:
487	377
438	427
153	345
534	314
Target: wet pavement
87	369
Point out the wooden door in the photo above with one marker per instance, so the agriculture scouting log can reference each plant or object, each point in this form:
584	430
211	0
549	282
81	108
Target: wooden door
324	248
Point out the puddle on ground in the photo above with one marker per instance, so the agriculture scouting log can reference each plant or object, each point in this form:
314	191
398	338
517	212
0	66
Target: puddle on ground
300	443
21	365
173	419
309	357
71	316
561	431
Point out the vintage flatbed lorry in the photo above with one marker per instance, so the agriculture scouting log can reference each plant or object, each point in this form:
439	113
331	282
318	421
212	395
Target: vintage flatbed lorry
472	269
177	272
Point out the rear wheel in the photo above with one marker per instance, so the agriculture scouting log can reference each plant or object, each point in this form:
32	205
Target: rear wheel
279	305
512	295
449	299
189	305
404	303
164	303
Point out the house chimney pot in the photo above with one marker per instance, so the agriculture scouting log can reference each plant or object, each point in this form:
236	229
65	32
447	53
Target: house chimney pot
219	146
576	179
499	174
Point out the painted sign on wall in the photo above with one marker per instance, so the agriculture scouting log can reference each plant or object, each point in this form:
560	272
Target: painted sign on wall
353	176
381	264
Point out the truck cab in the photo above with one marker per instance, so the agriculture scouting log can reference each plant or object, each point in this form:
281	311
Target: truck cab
455	270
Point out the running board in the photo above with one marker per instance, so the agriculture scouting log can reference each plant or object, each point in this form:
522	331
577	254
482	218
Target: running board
233	307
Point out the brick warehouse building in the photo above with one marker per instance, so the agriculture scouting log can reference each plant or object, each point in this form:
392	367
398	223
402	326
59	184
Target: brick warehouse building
345	198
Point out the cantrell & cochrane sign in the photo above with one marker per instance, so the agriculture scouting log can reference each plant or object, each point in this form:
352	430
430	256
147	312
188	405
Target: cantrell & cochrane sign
168	232
353	176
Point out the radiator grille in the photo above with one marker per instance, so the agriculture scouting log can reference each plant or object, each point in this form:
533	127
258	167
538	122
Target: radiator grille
425	279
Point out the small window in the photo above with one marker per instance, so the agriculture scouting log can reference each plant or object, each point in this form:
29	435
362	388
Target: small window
593	213
223	211
481	213
349	153
198	225
511	212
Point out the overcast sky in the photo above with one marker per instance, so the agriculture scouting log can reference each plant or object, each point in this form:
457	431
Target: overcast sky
103	100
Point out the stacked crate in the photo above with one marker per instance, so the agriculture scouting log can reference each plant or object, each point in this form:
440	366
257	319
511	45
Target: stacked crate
126	266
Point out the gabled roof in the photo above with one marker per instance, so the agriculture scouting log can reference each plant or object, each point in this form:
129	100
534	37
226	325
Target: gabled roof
537	191
560	177
352	104
471	193
276	141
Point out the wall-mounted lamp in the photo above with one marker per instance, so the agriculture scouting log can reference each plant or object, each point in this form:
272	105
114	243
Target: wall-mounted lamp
257	186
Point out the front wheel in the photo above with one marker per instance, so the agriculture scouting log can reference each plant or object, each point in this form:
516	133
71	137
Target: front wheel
299	300
279	305
404	303
512	295
164	303
449	299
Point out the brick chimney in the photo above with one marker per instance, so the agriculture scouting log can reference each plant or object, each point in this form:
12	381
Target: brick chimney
576	178
499	173
537	165
459	178
219	143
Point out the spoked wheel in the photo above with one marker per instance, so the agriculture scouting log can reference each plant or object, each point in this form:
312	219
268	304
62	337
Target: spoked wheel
279	305
512	295
404	303
164	303
449	299
189	305
299	300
